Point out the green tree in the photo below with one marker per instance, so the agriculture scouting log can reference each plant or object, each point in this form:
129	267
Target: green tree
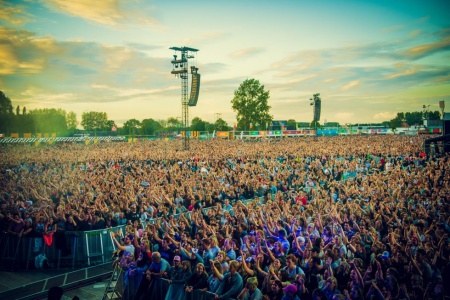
221	125
71	120
174	123
414	118
5	117
291	124
333	124
251	104
5	104
94	121
150	126
109	125
397	121
132	127
198	124
210	127
434	115
49	120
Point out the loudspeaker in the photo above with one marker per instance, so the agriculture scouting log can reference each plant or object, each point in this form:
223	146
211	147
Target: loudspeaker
317	106
195	89
446	126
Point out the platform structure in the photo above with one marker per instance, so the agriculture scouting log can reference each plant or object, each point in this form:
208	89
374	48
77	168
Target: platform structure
180	69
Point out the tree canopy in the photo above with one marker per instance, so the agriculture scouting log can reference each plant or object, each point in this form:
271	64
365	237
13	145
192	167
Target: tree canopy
94	121
251	104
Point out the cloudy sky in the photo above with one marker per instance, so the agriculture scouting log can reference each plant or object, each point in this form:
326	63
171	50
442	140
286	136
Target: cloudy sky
367	59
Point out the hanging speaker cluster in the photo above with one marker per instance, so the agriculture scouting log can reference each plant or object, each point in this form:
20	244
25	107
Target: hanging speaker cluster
195	89
317	107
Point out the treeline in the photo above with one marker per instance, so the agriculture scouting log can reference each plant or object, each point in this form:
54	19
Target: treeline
49	120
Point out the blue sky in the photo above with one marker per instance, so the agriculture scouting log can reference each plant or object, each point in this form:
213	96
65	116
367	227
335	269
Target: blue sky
367	59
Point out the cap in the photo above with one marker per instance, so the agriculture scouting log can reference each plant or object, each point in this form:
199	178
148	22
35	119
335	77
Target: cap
290	288
177	258
130	237
385	255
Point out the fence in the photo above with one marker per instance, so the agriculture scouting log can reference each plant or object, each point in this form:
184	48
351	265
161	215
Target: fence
158	290
69	249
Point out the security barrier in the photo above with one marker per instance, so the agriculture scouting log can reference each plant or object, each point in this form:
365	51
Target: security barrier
160	286
69	249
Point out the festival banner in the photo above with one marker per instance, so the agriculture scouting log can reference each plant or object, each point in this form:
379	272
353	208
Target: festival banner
222	134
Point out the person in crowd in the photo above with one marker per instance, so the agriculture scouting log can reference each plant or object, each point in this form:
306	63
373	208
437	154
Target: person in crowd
232	283
177	280
198	279
290	292
250	291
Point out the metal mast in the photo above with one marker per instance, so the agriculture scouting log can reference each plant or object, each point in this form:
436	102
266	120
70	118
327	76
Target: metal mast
180	69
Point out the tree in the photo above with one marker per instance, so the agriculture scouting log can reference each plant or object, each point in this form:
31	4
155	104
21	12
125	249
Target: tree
198	124
434	115
251	104
174	123
221	125
109	125
150	126
93	120
71	121
209	127
24	111
397	121
414	118
17	110
5	104
163	123
49	120
291	124
333	124
131	126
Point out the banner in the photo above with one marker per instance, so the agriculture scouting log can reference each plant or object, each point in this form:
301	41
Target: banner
222	134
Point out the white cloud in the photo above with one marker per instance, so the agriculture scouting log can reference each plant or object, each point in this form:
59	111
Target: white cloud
351	85
383	116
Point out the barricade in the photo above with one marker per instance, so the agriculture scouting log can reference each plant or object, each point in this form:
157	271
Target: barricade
79	249
160	286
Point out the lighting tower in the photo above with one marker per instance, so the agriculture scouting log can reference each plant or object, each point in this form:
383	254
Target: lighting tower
180	69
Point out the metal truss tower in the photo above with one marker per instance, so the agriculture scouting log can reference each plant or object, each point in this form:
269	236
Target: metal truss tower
180	69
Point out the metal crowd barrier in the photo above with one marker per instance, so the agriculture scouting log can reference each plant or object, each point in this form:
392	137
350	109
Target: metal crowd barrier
69	249
160	286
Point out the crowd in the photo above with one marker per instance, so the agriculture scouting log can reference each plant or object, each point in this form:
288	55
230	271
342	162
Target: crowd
350	217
